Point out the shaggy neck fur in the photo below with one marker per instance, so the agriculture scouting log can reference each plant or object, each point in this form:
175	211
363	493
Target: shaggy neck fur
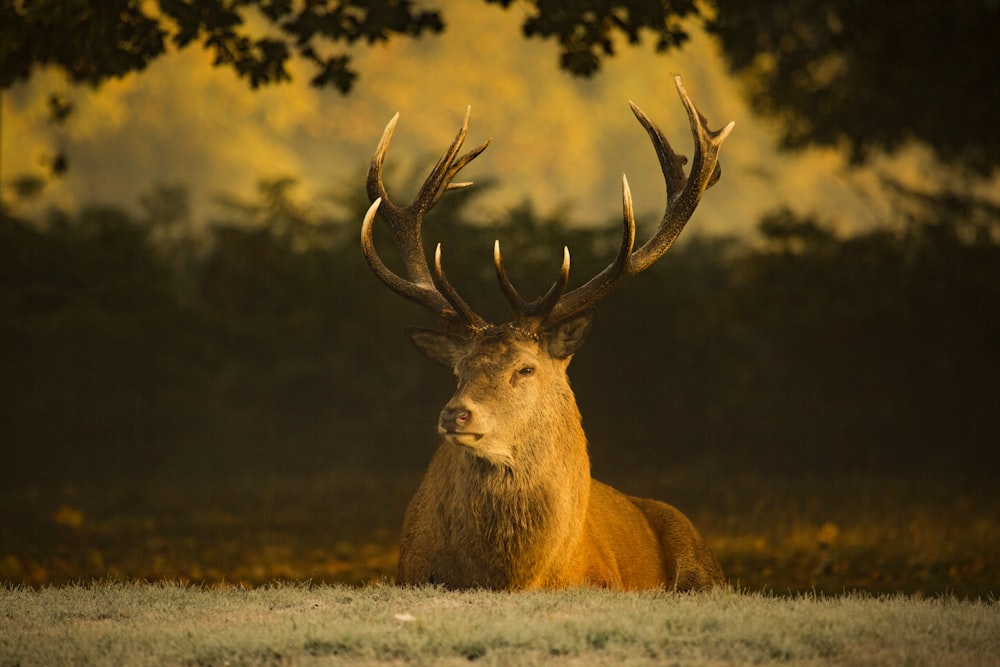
510	524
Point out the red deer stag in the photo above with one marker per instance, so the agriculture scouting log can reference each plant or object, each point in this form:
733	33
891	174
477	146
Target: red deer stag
508	501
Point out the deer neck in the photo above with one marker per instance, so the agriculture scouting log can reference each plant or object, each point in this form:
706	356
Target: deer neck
512	524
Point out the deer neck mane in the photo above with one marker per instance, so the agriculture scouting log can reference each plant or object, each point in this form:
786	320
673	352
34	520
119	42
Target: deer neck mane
511	522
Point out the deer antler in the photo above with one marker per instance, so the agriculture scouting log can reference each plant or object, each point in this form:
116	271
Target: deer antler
683	195
405	223
540	307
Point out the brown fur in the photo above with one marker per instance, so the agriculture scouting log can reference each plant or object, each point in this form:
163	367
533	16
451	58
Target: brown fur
516	508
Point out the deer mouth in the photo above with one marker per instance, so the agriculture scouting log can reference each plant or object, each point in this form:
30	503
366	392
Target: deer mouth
463	438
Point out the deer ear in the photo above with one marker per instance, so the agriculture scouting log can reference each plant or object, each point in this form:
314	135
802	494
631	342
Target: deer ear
567	337
437	346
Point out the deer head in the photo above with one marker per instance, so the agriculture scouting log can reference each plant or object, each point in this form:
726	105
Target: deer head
503	370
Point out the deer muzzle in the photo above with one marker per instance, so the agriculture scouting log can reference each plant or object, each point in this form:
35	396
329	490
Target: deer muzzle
456	424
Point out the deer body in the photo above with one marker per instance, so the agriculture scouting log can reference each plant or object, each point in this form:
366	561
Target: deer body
493	533
508	501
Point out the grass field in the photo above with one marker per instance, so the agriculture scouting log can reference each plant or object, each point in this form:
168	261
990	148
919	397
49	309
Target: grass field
166	624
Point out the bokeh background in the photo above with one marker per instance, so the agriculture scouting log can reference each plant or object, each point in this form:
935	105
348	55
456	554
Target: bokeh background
200	378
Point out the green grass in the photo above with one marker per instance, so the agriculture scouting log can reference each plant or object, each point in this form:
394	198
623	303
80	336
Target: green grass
169	624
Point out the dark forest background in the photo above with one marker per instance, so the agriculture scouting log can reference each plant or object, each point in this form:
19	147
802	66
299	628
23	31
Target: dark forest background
132	348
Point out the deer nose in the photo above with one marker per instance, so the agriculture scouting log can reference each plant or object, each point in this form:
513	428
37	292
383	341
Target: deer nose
454	419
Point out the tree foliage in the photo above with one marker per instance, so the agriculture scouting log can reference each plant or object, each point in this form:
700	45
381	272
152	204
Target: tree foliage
94	41
586	29
865	76
872	75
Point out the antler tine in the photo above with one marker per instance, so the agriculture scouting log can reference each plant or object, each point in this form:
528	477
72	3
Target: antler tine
447	167
683	195
551	298
671	164
422	292
705	172
376	190
449	292
600	285
538	309
405	223
514	298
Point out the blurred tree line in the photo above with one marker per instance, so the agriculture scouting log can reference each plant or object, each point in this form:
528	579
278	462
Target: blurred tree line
132	346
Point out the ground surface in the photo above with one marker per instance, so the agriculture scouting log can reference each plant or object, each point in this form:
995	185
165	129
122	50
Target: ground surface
143	624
